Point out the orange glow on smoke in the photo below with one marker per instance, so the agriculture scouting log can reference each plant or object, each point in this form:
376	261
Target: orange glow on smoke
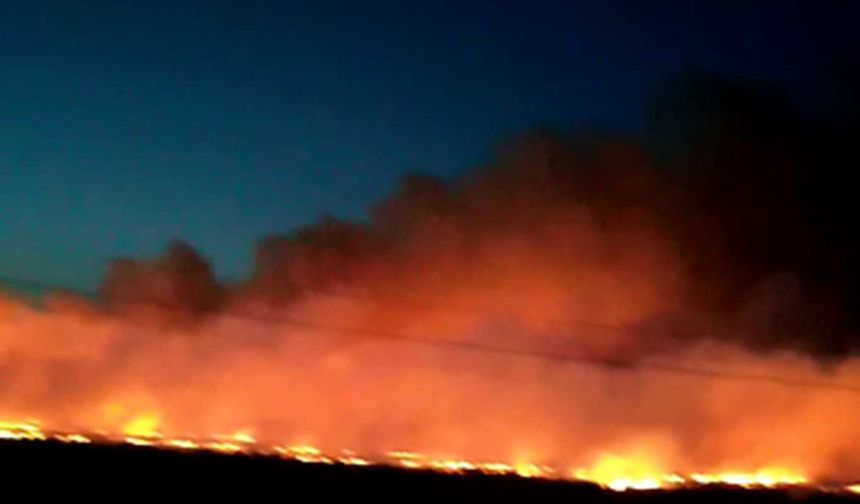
568	311
623	431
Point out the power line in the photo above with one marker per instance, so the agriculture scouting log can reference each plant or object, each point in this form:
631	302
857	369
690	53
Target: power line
567	358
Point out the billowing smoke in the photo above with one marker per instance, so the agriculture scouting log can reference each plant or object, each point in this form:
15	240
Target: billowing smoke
537	308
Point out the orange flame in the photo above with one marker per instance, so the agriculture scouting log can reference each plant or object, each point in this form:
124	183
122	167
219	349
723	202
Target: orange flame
610	471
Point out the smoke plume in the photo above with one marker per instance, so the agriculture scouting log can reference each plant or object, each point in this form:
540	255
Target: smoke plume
718	241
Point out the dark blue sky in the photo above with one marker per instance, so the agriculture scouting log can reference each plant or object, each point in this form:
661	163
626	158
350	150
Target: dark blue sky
124	124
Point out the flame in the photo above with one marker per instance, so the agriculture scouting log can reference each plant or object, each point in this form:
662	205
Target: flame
223	447
495	468
73	438
243	436
615	472
18	431
530	470
620	473
142	427
767	477
182	444
303	453
349	457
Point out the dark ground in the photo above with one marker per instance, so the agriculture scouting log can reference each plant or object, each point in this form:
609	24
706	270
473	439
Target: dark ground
118	473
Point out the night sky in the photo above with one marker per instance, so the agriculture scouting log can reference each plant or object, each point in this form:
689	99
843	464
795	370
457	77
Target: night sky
125	124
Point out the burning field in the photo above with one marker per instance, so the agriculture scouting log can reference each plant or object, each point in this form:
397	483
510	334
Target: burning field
611	473
575	310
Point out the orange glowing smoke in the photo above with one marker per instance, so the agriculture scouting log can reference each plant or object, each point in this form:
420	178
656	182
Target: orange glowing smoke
371	343
335	399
